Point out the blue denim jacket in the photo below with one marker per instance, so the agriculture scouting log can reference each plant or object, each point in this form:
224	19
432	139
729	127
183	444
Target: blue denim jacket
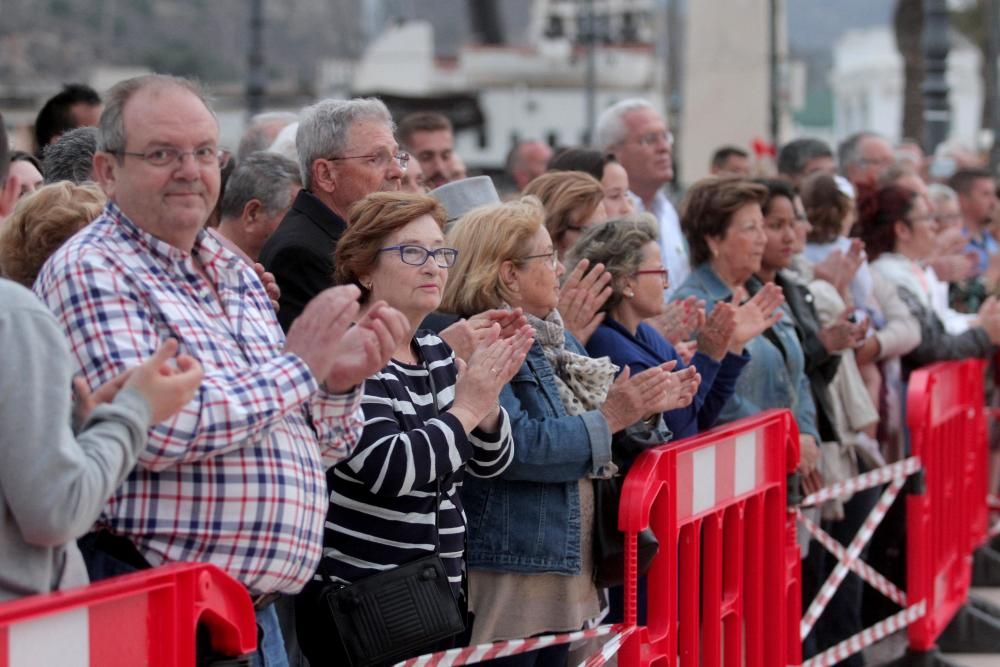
528	519
775	377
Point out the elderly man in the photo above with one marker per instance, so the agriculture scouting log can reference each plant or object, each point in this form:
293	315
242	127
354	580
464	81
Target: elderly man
258	195
637	135
262	130
527	161
865	158
71	157
804	157
236	478
429	138
346	151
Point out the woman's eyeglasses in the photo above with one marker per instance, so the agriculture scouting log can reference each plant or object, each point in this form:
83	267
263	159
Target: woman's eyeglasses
552	256
417	255
663	273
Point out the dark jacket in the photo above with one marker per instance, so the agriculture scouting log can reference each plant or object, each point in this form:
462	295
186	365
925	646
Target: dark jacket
300	254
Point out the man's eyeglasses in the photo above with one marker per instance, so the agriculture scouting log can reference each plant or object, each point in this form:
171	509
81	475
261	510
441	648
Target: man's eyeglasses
163	157
379	160
654	138
417	255
663	273
553	258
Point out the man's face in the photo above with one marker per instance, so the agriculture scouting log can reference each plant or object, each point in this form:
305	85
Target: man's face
434	151
979	202
876	157
370	166
735	165
533	160
823	164
171	202
646	151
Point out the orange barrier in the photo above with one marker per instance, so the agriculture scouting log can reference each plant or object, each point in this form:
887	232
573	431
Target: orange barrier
948	521
147	618
727	576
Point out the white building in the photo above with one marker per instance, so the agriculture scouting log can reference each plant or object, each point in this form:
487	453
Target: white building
867	83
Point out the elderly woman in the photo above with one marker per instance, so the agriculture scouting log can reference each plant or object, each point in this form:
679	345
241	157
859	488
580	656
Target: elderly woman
531	527
900	232
396	497
606	169
724	225
631	253
573	201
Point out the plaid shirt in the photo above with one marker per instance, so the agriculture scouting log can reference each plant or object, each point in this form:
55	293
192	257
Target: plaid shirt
237	477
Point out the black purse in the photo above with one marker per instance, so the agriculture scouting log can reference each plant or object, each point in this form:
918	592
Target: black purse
609	542
399	613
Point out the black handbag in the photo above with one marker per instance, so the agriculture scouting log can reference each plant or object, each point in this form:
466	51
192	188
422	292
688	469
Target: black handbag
609	542
399	613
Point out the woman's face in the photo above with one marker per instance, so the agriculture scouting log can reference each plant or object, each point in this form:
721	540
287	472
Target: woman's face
579	221
617	202
29	177
647	283
535	281
739	252
413	290
780	227
918	240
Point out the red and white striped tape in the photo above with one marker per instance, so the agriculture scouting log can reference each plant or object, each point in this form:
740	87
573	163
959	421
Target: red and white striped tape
853	550
868	480
859	567
868	636
502	649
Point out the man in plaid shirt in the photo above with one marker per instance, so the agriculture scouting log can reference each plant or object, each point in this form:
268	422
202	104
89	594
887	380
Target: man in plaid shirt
237	477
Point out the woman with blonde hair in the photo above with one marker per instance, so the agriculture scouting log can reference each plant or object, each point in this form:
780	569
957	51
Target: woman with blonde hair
41	223
531	527
572	201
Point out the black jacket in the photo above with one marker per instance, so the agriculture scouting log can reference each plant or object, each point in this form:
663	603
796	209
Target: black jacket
300	254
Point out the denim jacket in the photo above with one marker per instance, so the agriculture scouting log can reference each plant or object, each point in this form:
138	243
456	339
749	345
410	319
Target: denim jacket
528	519
775	376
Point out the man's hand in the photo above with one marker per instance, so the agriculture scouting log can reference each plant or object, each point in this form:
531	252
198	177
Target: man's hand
270	284
315	334
367	347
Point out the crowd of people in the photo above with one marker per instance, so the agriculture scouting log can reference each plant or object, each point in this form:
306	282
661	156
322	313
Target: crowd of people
333	353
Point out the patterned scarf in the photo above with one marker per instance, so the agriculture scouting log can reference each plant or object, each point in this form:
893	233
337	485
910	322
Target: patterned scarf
582	381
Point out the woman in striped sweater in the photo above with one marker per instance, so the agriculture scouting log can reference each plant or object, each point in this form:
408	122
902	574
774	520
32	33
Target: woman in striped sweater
429	419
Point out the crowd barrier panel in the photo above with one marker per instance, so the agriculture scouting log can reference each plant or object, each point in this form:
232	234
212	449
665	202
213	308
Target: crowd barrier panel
147	618
724	588
947	521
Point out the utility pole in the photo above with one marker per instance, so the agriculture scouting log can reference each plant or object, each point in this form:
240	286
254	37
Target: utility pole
937	113
992	54
590	82
256	78
774	90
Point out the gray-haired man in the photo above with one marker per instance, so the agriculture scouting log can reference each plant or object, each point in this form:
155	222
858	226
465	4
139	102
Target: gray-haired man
346	151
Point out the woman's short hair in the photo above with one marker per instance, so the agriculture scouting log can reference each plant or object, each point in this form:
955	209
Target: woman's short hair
587	160
569	197
41	223
370	221
708	208
878	211
485	238
826	207
618	245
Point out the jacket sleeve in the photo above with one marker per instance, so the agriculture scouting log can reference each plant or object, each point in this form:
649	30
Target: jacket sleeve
901	332
938	345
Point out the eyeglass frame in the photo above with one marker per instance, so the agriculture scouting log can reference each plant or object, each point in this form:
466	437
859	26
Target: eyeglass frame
402	158
554	255
652	138
664	273
401	248
222	156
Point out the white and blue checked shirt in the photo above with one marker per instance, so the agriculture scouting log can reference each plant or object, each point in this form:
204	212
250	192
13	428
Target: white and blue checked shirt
237	477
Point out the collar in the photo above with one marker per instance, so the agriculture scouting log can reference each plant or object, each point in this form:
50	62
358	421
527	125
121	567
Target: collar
714	288
321	215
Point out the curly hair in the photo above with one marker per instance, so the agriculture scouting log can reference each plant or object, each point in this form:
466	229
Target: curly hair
618	245
569	197
878	212
485	238
41	223
371	220
708	208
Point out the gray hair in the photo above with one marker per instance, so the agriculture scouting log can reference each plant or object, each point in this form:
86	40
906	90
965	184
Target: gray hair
618	245
849	150
941	193
324	126
611	130
263	176
795	155
258	135
71	157
112	138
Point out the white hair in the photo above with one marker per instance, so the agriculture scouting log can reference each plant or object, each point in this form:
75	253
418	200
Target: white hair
323	129
611	130
284	143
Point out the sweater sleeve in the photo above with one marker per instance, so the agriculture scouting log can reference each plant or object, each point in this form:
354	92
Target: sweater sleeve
55	484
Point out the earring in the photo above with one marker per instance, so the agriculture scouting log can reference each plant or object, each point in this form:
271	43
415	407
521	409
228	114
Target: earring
629	294
368	286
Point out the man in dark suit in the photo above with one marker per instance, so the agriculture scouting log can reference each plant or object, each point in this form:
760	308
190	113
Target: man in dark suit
346	151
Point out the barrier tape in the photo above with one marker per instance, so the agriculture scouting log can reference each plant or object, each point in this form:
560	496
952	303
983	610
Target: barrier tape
859	567
867	637
876	477
853	551
472	654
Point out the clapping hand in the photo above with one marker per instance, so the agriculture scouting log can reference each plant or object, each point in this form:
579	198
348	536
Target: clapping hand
270	284
465	336
715	335
490	367
581	298
366	347
679	319
755	316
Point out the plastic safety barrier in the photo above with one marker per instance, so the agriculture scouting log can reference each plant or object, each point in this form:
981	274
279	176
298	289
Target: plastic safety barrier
147	618
948	521
725	585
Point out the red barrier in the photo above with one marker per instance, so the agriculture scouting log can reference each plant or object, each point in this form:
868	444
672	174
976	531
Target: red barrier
947	522
725	585
148	618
